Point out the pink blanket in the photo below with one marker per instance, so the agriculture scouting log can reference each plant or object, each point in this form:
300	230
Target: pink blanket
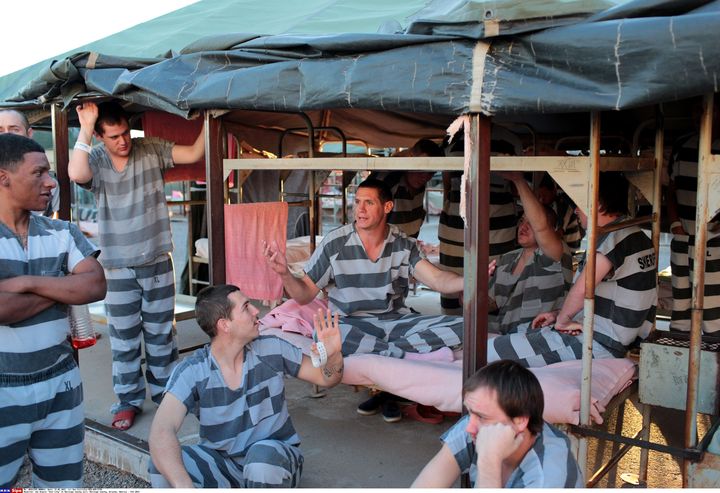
440	384
246	226
293	317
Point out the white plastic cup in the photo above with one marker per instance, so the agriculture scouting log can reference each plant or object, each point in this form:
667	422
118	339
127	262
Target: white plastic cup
82	333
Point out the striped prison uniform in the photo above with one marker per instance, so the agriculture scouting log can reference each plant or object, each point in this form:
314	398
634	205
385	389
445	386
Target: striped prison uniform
247	438
683	170
136	241
370	296
540	287
408	212
548	464
41	396
625	303
568	221
451	230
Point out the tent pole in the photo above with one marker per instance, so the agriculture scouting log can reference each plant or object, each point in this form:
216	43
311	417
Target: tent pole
215	198
698	278
477	224
589	302
62	158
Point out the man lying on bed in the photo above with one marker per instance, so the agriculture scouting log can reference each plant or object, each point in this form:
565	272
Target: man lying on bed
535	277
366	266
625	295
503	440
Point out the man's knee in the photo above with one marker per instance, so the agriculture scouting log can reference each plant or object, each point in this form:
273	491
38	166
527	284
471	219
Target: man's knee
269	463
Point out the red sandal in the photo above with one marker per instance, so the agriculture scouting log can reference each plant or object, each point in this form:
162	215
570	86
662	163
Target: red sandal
423	414
124	415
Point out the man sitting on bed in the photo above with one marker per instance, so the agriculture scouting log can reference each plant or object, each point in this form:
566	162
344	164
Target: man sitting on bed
235	387
625	295
366	266
535	277
503	440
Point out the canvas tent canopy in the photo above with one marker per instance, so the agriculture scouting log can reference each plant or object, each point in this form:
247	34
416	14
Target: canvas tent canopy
454	58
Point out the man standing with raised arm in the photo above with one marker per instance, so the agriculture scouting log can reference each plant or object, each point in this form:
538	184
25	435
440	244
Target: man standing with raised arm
126	177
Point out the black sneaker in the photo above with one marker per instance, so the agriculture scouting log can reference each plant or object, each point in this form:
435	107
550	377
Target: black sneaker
372	405
391	411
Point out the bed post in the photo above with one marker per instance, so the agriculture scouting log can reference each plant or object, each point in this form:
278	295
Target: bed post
215	198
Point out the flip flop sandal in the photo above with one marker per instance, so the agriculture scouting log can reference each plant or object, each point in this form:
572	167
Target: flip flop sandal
124	415
422	414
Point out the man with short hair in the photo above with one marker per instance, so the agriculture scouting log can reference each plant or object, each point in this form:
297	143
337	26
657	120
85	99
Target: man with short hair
503	441
535	277
235	387
15	122
625	294
366	266
126	177
46	266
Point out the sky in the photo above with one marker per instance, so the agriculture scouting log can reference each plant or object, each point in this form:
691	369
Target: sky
34	30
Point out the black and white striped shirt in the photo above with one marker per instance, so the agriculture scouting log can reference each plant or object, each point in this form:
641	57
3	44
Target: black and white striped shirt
232	420
54	248
548	464
626	299
363	287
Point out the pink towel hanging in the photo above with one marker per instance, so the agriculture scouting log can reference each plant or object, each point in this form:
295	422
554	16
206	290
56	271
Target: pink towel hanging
246	226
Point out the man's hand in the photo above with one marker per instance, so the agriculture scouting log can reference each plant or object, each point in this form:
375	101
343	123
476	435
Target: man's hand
496	442
327	328
87	115
14	285
568	327
512	175
543	320
491	267
275	258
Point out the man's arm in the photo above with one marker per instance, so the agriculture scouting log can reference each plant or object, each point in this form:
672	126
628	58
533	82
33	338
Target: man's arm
301	289
441	472
23	297
494	443
165	450
328	332
79	166
184	154
443	281
575	298
547	238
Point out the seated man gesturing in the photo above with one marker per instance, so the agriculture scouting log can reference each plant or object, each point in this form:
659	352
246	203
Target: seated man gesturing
369	263
235	387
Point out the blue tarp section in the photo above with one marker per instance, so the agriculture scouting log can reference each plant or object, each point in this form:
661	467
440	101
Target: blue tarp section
454	57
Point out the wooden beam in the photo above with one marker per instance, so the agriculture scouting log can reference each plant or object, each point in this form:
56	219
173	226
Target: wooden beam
477	224
215	198
62	158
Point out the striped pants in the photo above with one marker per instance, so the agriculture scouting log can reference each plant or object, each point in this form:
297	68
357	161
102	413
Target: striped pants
268	463
412	333
140	301
42	414
539	347
681	263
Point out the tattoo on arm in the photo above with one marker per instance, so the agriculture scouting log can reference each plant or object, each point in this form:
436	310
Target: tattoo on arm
328	371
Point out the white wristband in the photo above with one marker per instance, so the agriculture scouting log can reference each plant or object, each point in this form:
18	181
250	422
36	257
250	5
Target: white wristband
674	225
320	360
82	146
